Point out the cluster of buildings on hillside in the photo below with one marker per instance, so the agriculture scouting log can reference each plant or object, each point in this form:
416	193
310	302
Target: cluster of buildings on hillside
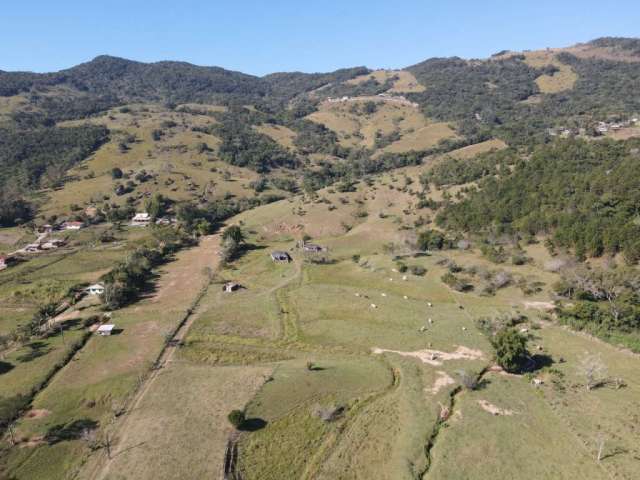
604	127
386	97
140	219
44	244
600	128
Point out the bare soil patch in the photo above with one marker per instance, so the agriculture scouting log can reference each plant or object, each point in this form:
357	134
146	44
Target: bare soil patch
37	413
31	442
493	409
539	305
436	357
442	381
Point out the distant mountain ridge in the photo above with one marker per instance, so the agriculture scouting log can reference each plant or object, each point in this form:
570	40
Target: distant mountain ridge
175	81
130	80
516	97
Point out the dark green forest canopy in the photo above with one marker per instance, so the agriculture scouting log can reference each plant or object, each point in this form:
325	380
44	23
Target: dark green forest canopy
25	155
458	171
289	84
458	89
126	81
135	81
586	194
243	146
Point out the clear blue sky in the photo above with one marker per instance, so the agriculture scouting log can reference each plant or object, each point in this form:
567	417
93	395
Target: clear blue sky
263	36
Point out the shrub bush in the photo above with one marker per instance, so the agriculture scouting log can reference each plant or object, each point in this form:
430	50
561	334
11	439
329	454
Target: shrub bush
511	349
236	418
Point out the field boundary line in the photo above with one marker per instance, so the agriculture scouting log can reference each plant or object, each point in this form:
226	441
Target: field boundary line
162	359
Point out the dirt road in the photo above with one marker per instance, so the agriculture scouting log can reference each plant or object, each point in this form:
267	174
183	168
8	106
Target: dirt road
182	284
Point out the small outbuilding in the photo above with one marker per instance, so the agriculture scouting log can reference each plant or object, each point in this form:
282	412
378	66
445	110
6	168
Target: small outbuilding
106	329
230	287
164	221
279	256
95	289
141	220
72	225
52	244
313	248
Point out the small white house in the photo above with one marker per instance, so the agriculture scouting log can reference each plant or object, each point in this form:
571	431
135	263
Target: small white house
141	220
230	287
95	289
72	225
106	329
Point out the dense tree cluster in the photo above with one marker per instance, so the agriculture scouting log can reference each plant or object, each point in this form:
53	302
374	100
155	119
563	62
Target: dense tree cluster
457	171
314	137
461	89
604	302
135	81
244	147
27	157
584	194
14	209
126	280
288	85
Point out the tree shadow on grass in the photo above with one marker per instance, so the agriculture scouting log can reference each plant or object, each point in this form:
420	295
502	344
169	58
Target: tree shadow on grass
614	452
245	248
5	367
65	325
253	424
316	368
36	350
482	384
70	431
537	362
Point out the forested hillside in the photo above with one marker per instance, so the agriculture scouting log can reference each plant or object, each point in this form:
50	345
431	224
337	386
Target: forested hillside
585	195
492	96
26	156
473	100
